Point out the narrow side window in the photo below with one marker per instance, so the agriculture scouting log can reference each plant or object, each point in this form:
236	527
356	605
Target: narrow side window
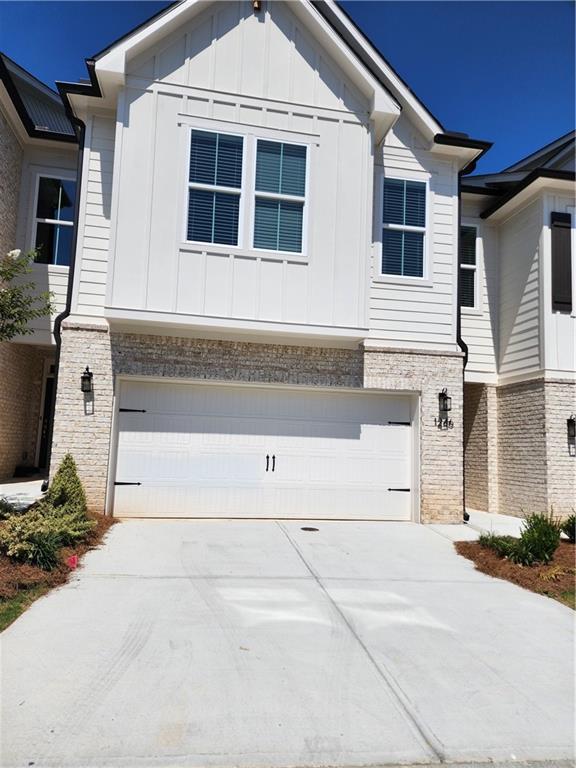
403	227
560	224
468	268
54	220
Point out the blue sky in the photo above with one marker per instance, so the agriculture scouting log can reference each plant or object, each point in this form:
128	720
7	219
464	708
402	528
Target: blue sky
502	71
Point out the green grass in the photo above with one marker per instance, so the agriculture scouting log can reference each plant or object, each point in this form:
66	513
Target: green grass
12	607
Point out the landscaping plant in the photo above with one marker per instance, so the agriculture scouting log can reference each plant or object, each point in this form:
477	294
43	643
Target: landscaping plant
59	519
569	528
538	541
20	302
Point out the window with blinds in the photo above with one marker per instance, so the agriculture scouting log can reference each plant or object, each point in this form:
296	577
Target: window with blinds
215	187
403	227
280	196
468	267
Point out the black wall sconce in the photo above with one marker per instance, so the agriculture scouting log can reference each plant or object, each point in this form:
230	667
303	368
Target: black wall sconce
571	429
442	421
86	381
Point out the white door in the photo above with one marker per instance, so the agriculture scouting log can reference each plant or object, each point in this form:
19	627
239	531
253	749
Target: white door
205	450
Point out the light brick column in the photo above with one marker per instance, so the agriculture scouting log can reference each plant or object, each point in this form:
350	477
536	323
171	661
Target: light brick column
492	449
10	173
560	398
82	423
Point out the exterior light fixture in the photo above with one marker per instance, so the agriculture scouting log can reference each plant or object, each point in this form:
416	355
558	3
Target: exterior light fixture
571	429
86	381
444	407
444	402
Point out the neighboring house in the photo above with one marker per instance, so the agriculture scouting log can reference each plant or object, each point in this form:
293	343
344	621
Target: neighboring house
265	284
38	158
519	322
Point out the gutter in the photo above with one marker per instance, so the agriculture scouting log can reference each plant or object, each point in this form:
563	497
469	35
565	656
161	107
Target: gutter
539	173
84	89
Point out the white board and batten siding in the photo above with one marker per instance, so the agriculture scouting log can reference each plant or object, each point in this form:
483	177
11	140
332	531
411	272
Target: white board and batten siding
94	225
413	312
480	324
205	450
520	292
261	76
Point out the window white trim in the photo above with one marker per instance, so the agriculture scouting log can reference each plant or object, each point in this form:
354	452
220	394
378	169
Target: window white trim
425	280
47	173
247	192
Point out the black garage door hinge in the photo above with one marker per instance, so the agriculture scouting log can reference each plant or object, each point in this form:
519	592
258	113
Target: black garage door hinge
118	483
404	490
132	410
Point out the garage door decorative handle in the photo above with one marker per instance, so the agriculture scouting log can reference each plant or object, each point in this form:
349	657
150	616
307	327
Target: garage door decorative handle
404	490
132	410
273	463
118	483
267	462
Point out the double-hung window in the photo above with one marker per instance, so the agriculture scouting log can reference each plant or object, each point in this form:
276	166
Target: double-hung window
215	187
54	220
468	268
280	193
221	194
403	227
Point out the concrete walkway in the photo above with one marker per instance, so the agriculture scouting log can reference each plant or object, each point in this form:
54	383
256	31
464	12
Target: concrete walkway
258	644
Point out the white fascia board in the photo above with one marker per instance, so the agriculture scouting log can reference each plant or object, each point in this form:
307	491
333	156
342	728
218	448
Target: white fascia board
538	185
416	111
462	156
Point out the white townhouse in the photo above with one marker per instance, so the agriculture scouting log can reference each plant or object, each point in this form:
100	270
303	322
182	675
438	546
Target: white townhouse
265	282
518	300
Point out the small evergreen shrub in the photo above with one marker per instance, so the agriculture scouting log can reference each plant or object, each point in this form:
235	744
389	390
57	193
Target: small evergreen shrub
58	520
539	540
568	527
66	488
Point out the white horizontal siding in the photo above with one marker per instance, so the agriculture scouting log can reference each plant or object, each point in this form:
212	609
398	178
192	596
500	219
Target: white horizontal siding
410	314
95	232
519	337
479	325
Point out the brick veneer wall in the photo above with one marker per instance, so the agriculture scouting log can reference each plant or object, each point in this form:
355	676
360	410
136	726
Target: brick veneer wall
84	426
560	398
481	447
522	448
21	375
10	170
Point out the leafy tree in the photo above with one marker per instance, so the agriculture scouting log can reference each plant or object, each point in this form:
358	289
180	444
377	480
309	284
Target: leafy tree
19	302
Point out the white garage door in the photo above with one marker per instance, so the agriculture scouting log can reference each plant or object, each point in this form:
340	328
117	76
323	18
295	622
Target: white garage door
205	450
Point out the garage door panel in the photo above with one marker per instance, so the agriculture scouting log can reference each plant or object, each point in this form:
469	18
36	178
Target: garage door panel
200	451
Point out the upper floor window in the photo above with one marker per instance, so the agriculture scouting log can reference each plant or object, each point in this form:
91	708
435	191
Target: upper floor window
468	268
220	189
54	220
215	182
403	227
280	196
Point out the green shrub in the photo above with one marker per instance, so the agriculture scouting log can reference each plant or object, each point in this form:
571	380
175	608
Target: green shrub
31	538
58	520
66	488
568	527
538	541
502	545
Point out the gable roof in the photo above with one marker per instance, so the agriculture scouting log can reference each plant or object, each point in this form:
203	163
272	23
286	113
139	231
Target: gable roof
110	62
39	108
545	156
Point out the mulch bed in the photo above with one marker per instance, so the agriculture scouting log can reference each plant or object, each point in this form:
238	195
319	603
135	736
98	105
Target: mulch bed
15	576
556	580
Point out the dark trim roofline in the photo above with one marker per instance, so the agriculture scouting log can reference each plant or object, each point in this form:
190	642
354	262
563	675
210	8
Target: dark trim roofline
539	173
566	139
449	139
471	189
15	98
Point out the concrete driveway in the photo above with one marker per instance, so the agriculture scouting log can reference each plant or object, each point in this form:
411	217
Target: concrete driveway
197	643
